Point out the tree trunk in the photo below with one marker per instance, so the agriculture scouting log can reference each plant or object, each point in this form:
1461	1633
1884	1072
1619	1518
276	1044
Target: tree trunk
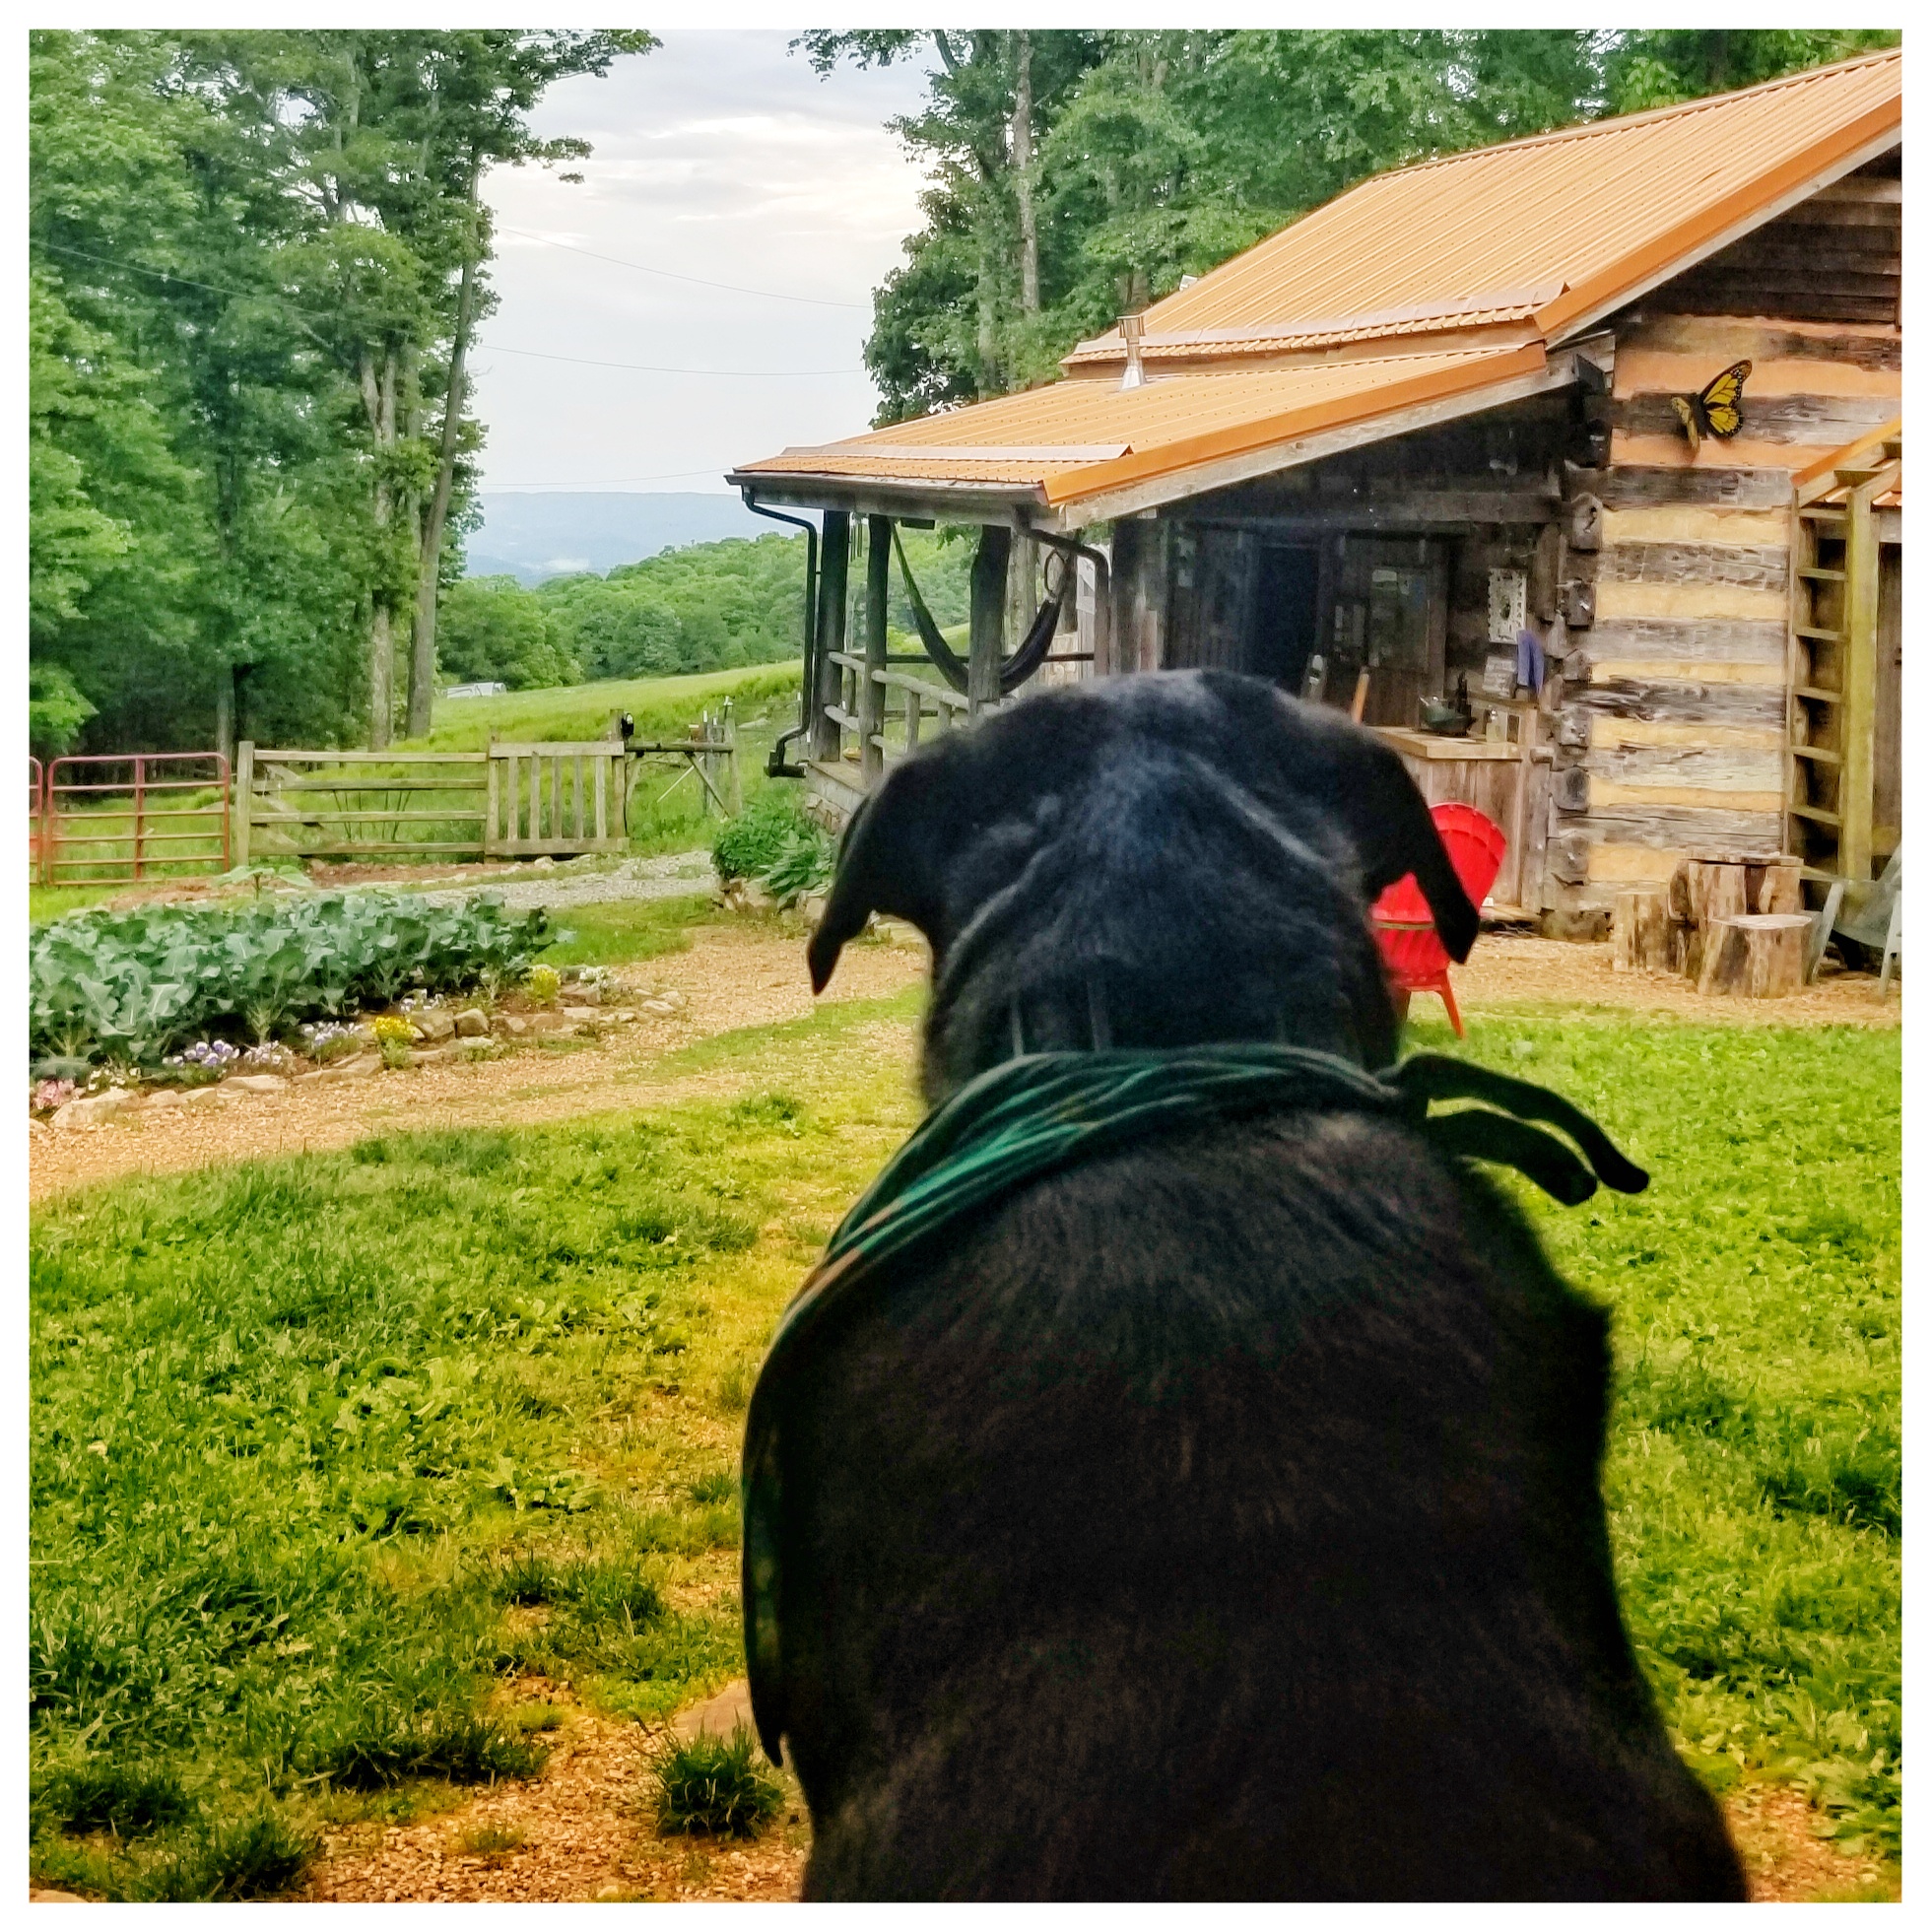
1028	220
429	569
379	401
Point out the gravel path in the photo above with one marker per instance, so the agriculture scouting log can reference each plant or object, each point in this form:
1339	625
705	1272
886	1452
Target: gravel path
592	882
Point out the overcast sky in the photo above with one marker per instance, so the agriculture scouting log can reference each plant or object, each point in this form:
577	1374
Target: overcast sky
720	156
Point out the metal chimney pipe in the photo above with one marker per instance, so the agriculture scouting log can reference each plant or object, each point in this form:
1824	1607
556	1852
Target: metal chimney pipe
1132	327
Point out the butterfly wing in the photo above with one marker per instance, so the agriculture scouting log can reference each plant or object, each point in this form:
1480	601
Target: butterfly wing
1685	408
1722	404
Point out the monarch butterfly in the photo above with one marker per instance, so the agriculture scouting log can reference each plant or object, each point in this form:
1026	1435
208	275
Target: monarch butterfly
1718	410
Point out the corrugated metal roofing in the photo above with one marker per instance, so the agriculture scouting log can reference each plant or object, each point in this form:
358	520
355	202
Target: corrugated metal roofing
1161	427
1594	209
1533	236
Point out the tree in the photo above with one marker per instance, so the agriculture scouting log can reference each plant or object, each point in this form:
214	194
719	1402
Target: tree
259	261
493	630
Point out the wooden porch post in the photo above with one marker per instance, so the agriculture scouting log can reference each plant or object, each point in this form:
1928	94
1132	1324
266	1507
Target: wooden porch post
988	616
1859	684
871	693
833	565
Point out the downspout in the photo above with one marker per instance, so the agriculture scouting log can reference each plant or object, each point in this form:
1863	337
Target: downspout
775	766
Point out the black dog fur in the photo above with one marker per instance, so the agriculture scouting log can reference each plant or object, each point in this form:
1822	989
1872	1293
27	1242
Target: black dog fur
1220	1518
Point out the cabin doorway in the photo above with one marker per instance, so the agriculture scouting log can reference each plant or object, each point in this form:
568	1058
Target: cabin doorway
1390	619
1286	613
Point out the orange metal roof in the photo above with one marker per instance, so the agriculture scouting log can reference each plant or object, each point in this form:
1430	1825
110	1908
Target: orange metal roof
1056	438
1440	280
1579	216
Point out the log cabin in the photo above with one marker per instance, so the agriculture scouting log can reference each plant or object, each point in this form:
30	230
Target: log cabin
1364	456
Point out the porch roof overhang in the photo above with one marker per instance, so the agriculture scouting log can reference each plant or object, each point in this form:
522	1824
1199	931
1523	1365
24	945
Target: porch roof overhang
1076	454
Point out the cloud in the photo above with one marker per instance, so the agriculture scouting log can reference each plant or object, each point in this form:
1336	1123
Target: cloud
720	156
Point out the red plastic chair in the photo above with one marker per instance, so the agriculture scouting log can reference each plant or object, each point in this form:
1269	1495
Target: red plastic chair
1416	959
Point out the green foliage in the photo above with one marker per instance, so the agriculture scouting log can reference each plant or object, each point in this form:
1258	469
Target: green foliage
135	984
707	606
57	709
493	630
712	1785
761	835
246	254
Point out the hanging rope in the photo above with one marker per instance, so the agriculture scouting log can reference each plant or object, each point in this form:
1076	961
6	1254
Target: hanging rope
1015	670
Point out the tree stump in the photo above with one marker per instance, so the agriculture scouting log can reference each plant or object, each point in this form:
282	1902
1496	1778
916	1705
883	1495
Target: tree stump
1754	955
1641	931
1777	886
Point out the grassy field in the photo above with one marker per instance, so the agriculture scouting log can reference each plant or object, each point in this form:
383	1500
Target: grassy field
326	1448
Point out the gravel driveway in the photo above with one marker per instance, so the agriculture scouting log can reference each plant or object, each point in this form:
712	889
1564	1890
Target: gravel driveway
593	882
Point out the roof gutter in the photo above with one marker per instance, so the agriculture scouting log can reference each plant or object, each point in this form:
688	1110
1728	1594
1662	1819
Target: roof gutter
937	498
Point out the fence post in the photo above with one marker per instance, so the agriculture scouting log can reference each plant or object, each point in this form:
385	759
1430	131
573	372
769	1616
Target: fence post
244	802
731	756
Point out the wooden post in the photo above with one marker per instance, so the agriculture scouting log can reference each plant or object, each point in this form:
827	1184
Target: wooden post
1860	684
244	802
871	693
988	616
1755	956
834	563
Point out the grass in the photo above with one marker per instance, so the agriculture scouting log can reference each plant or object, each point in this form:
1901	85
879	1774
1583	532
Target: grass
1755	1468
714	1785
620	931
326	1449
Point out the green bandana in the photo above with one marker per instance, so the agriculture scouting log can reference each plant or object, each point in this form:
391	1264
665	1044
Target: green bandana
1042	1111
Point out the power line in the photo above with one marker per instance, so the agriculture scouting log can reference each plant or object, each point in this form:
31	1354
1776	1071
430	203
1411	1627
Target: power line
643	268
655	368
500	348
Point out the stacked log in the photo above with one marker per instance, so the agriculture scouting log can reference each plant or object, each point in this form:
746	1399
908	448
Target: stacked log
1733	922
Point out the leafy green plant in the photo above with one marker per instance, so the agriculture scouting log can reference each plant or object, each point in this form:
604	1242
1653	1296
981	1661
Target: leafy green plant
712	1785
804	862
758	837
543	984
134	985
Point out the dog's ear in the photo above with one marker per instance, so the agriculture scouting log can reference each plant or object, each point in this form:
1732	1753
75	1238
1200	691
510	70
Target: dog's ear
1389	823
892	859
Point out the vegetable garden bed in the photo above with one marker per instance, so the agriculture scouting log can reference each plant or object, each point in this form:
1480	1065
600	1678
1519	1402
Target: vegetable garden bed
132	988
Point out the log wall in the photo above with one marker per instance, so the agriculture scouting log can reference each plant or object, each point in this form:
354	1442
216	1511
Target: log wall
1683	706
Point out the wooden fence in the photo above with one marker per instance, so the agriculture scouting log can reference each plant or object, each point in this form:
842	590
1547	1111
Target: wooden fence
508	801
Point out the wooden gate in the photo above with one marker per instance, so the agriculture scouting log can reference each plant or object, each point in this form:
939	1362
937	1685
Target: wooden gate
559	799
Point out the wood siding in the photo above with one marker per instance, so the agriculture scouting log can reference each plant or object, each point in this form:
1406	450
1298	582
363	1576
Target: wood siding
1684	708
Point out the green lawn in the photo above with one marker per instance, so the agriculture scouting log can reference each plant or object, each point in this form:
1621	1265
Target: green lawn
324	1447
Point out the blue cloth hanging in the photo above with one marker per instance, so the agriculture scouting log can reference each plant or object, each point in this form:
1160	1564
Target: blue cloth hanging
1529	660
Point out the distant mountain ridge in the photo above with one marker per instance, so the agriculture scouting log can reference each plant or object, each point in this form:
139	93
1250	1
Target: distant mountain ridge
532	535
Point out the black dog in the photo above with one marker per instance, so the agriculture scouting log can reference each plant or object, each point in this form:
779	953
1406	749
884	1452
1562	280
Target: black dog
1218	1518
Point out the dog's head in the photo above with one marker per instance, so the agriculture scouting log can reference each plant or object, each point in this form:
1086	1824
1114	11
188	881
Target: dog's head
1152	861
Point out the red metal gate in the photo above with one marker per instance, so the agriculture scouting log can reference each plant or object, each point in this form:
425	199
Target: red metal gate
101	825
37	811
